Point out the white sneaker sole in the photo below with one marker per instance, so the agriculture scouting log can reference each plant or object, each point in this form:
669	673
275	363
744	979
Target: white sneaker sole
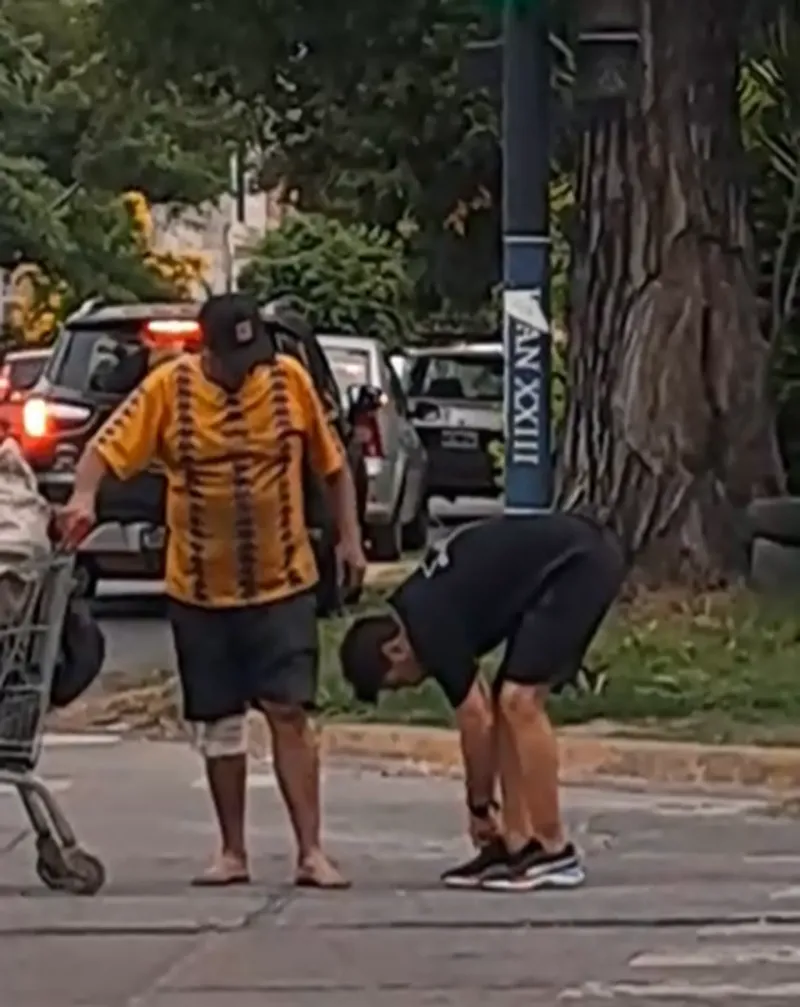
572	877
461	883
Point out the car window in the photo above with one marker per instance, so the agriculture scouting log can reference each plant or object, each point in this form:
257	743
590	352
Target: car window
24	372
468	376
89	359
86	352
350	367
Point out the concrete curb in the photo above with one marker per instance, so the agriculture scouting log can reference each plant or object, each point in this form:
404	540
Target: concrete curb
584	759
388	575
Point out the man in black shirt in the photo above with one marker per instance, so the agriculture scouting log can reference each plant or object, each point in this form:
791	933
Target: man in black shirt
542	585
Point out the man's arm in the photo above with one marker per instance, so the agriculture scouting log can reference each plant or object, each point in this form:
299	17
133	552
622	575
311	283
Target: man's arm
131	437
328	459
124	445
343	502
89	473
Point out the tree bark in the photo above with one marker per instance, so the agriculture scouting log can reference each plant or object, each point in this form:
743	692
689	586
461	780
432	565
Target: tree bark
669	431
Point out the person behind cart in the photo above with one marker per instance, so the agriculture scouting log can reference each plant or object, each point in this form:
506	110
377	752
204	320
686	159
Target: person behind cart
232	427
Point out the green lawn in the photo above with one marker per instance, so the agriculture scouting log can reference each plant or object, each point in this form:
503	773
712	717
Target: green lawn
719	668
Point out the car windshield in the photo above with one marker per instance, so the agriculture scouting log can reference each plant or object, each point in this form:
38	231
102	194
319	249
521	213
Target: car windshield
350	367
24	372
468	376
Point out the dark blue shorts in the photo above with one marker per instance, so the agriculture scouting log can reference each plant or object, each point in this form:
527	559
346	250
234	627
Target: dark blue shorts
230	658
550	641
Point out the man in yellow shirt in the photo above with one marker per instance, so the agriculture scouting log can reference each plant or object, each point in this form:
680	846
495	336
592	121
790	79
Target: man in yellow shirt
232	427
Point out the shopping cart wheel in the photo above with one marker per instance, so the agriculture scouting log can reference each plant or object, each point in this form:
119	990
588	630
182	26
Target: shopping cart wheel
50	865
86	875
68	870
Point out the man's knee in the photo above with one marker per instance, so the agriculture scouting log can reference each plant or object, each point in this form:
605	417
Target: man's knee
285	718
220	738
516	701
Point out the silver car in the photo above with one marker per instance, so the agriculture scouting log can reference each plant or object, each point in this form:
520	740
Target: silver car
396	462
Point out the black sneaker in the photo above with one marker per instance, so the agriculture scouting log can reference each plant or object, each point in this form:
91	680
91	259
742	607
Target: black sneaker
533	868
471	874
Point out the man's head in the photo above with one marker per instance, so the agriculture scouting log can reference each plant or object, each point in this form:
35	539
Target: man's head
375	654
235	339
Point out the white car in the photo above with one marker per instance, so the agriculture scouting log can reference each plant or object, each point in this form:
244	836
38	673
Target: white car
396	461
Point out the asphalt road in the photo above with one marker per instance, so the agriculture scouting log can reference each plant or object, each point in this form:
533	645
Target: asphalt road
138	638
690	900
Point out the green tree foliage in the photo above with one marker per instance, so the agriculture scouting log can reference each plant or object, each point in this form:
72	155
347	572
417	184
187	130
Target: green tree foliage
770	103
363	107
75	138
349	278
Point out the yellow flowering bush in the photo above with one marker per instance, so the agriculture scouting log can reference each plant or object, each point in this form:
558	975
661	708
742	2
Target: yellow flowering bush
183	272
35	304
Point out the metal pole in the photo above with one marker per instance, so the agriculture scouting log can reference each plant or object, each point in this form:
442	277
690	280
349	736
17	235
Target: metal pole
526	171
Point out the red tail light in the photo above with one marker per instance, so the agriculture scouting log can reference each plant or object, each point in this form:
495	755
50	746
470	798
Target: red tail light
35	418
171	333
44	425
368	433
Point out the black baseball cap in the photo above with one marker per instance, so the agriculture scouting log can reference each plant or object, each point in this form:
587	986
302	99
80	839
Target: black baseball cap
364	663
234	332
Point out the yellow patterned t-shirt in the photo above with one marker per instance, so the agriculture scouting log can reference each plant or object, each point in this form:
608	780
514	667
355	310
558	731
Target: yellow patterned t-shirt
236	533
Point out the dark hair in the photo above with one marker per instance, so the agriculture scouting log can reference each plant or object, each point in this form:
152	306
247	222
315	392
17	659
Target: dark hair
364	664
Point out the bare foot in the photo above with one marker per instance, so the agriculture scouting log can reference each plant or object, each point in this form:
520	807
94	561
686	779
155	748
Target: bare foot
227	869
317	871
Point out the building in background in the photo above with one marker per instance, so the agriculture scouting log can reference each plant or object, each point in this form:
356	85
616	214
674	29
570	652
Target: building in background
223	232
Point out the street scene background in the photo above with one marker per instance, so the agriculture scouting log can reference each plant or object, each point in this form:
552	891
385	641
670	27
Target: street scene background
592	203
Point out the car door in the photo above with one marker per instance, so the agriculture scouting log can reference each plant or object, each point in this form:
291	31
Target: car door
409	452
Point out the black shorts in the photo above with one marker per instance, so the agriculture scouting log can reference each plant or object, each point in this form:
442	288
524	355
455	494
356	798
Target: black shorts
229	658
551	639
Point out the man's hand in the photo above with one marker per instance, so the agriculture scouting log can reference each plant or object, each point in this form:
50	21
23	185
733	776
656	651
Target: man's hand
485	829
76	519
352	563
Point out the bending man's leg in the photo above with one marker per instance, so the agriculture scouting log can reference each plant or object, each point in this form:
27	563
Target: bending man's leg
532	808
517	825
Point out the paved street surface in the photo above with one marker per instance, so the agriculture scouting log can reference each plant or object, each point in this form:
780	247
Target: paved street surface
691	900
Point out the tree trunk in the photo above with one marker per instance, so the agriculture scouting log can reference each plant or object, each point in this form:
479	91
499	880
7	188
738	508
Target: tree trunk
669	431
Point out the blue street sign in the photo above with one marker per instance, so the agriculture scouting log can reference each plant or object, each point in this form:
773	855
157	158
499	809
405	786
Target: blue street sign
526	336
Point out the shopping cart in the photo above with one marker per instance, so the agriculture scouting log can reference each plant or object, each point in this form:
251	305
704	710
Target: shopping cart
33	606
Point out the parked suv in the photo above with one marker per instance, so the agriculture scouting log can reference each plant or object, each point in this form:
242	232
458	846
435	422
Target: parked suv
100	356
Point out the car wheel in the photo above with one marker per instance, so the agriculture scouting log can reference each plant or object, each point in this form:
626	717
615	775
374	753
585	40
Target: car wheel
86	578
415	533
777	519
386	542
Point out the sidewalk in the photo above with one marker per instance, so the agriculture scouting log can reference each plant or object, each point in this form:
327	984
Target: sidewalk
692	899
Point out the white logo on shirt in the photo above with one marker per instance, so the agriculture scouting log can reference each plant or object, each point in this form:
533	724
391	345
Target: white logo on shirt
436	558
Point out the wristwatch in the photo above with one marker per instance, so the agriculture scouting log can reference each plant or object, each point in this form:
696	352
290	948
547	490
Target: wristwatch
482	810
